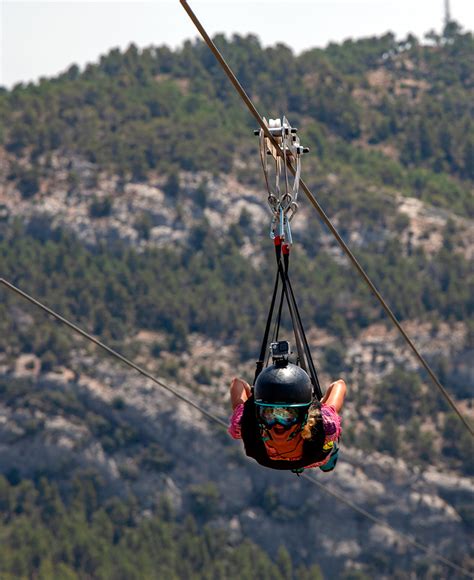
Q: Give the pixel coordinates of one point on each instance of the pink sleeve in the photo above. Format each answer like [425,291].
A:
[234,427]
[331,422]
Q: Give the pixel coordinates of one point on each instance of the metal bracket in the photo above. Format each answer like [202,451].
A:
[282,200]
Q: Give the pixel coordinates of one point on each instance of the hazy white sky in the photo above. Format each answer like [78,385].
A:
[44,38]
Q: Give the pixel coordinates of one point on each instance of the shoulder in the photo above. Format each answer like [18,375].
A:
[331,422]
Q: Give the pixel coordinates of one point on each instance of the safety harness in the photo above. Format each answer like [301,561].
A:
[304,358]
[313,450]
[283,206]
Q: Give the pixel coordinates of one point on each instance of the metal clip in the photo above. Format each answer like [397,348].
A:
[282,197]
[282,224]
[273,226]
[288,236]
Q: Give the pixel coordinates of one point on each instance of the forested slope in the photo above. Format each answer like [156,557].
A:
[396,112]
[47,536]
[131,201]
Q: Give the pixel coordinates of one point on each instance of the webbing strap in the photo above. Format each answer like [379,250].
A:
[263,348]
[309,359]
[304,355]
[294,320]
[280,308]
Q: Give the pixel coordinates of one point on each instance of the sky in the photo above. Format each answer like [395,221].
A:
[42,39]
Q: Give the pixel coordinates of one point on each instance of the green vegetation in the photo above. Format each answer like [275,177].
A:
[46,535]
[115,291]
[385,112]
[100,207]
[111,425]
[411,420]
[380,116]
[74,522]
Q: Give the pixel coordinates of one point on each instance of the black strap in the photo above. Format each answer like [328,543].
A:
[309,359]
[304,355]
[276,325]
[263,348]
[294,320]
[280,308]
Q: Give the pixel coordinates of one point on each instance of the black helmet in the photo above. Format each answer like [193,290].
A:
[283,384]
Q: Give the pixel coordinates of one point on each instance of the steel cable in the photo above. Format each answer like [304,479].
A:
[408,539]
[223,423]
[251,107]
[110,350]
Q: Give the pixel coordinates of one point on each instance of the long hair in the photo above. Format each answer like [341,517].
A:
[314,422]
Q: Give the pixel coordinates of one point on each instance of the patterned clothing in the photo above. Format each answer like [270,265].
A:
[331,425]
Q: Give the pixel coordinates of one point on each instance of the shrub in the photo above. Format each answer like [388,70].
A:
[28,184]
[204,499]
[100,207]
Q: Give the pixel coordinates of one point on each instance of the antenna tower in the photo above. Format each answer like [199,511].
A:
[447,12]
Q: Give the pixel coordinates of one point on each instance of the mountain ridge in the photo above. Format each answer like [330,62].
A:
[132,202]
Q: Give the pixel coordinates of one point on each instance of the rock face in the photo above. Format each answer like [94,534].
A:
[173,451]
[98,415]
[101,207]
[104,208]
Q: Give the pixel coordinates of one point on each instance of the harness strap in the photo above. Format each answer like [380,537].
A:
[304,355]
[291,308]
[309,359]
[263,347]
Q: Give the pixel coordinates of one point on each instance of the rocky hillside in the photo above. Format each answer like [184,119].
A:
[144,442]
[92,413]
[148,226]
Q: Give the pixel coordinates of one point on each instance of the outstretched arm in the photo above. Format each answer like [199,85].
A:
[335,394]
[239,392]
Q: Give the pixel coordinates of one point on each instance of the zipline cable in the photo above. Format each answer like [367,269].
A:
[222,423]
[251,107]
[408,539]
[111,351]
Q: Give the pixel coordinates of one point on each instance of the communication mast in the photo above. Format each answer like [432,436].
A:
[447,12]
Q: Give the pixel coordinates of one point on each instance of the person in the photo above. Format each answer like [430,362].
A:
[280,422]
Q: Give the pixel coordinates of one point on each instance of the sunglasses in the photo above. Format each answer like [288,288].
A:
[285,416]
